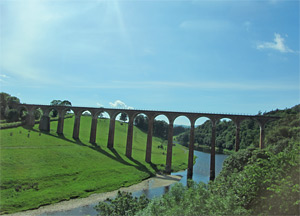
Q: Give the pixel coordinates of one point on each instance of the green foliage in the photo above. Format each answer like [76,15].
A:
[193,200]
[11,101]
[141,122]
[58,103]
[37,114]
[265,183]
[249,131]
[252,182]
[225,134]
[123,204]
[268,183]
[12,115]
[123,117]
[7,110]
[3,104]
[160,128]
[178,130]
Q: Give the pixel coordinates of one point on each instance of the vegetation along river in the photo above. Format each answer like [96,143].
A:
[200,173]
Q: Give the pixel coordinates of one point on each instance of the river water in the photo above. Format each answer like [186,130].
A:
[200,174]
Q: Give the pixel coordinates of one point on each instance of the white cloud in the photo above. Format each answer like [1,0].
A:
[278,45]
[99,104]
[4,76]
[119,104]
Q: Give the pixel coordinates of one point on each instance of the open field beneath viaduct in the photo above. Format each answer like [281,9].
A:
[43,168]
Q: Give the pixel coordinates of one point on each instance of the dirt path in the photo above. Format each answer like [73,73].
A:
[154,182]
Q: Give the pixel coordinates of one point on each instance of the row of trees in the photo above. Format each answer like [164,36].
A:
[160,127]
[225,134]
[54,112]
[9,114]
[225,131]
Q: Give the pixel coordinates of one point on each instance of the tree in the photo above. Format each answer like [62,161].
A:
[65,103]
[6,105]
[12,115]
[37,114]
[178,130]
[55,102]
[123,204]
[3,104]
[12,101]
[160,129]
[123,117]
[23,113]
[141,122]
[59,103]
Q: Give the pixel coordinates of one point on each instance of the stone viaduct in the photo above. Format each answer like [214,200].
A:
[95,112]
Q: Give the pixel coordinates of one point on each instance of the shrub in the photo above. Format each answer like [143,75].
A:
[12,115]
[123,204]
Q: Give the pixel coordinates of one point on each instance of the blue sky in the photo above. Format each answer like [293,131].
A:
[206,56]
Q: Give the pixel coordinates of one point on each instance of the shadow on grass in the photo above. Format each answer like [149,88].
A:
[114,154]
[142,167]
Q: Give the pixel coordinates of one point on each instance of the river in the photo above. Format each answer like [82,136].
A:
[200,174]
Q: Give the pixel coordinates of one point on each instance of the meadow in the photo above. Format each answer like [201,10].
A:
[42,168]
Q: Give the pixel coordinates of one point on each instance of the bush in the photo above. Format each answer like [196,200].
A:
[123,204]
[196,199]
[12,115]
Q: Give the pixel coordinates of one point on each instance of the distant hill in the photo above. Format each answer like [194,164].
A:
[184,126]
[225,131]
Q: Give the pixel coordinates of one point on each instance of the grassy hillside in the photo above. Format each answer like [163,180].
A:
[39,168]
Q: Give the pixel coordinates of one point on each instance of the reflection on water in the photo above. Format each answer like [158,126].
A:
[201,167]
[200,174]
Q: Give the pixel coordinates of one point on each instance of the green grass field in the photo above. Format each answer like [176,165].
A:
[39,168]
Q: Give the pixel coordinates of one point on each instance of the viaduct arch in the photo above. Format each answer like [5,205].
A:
[131,113]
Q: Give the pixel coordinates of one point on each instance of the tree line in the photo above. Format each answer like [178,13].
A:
[225,134]
[9,114]
[160,127]
[225,131]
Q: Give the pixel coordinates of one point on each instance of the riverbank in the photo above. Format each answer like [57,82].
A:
[159,180]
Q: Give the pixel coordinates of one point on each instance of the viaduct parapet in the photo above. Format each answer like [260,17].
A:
[132,113]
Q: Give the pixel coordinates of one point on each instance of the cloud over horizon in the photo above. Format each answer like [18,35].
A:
[120,105]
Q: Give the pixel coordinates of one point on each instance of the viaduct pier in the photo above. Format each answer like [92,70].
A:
[132,113]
